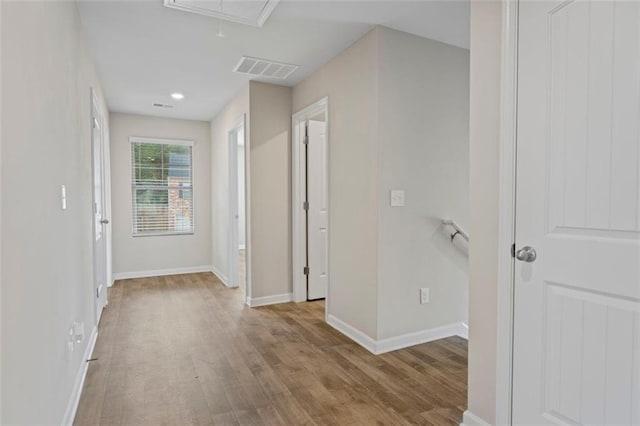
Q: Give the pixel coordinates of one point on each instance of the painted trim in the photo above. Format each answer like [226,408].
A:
[506,220]
[74,399]
[269,300]
[161,272]
[297,224]
[254,22]
[97,123]
[470,419]
[161,141]
[222,277]
[248,254]
[464,330]
[402,341]
[232,203]
[353,333]
[298,234]
[419,337]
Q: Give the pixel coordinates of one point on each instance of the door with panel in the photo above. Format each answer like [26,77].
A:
[99,219]
[317,212]
[577,273]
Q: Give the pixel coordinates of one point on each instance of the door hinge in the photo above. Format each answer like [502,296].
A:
[513,250]
[305,270]
[305,140]
[305,205]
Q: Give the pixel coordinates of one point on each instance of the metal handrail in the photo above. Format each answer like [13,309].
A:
[457,228]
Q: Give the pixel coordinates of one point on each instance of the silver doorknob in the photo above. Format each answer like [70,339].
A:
[526,254]
[104,221]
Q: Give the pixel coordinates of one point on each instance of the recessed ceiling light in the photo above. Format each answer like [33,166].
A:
[177,96]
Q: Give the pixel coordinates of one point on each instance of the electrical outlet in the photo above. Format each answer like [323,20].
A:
[424,296]
[78,331]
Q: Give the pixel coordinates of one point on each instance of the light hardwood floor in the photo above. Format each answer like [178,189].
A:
[184,350]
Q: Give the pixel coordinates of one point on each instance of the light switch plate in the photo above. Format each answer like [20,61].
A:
[397,198]
[63,195]
[424,296]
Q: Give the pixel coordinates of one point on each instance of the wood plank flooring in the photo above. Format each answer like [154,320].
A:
[184,350]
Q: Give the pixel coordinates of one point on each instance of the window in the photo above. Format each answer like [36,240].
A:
[162,186]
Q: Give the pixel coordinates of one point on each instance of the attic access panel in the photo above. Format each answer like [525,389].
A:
[247,12]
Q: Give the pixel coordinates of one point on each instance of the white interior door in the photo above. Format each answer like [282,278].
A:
[233,208]
[317,213]
[577,306]
[99,219]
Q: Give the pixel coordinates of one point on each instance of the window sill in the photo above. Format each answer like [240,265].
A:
[162,234]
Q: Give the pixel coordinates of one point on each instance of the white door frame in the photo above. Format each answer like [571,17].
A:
[506,220]
[97,119]
[298,167]
[239,124]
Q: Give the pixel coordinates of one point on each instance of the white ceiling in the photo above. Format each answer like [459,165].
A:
[144,51]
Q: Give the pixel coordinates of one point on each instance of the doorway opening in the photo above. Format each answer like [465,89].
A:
[310,156]
[238,208]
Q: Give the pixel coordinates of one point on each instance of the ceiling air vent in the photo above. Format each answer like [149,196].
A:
[157,105]
[263,68]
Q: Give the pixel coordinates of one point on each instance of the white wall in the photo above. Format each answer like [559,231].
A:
[139,254]
[267,109]
[350,82]
[220,126]
[46,252]
[423,122]
[486,27]
[270,189]
[398,107]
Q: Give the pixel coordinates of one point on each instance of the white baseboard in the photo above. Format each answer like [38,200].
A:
[353,333]
[72,405]
[378,347]
[419,337]
[464,331]
[470,419]
[222,277]
[254,302]
[160,272]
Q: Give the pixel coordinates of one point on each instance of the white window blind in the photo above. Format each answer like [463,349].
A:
[162,186]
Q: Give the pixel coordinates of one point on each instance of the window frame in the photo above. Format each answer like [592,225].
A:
[132,185]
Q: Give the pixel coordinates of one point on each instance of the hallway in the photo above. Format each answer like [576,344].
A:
[184,349]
